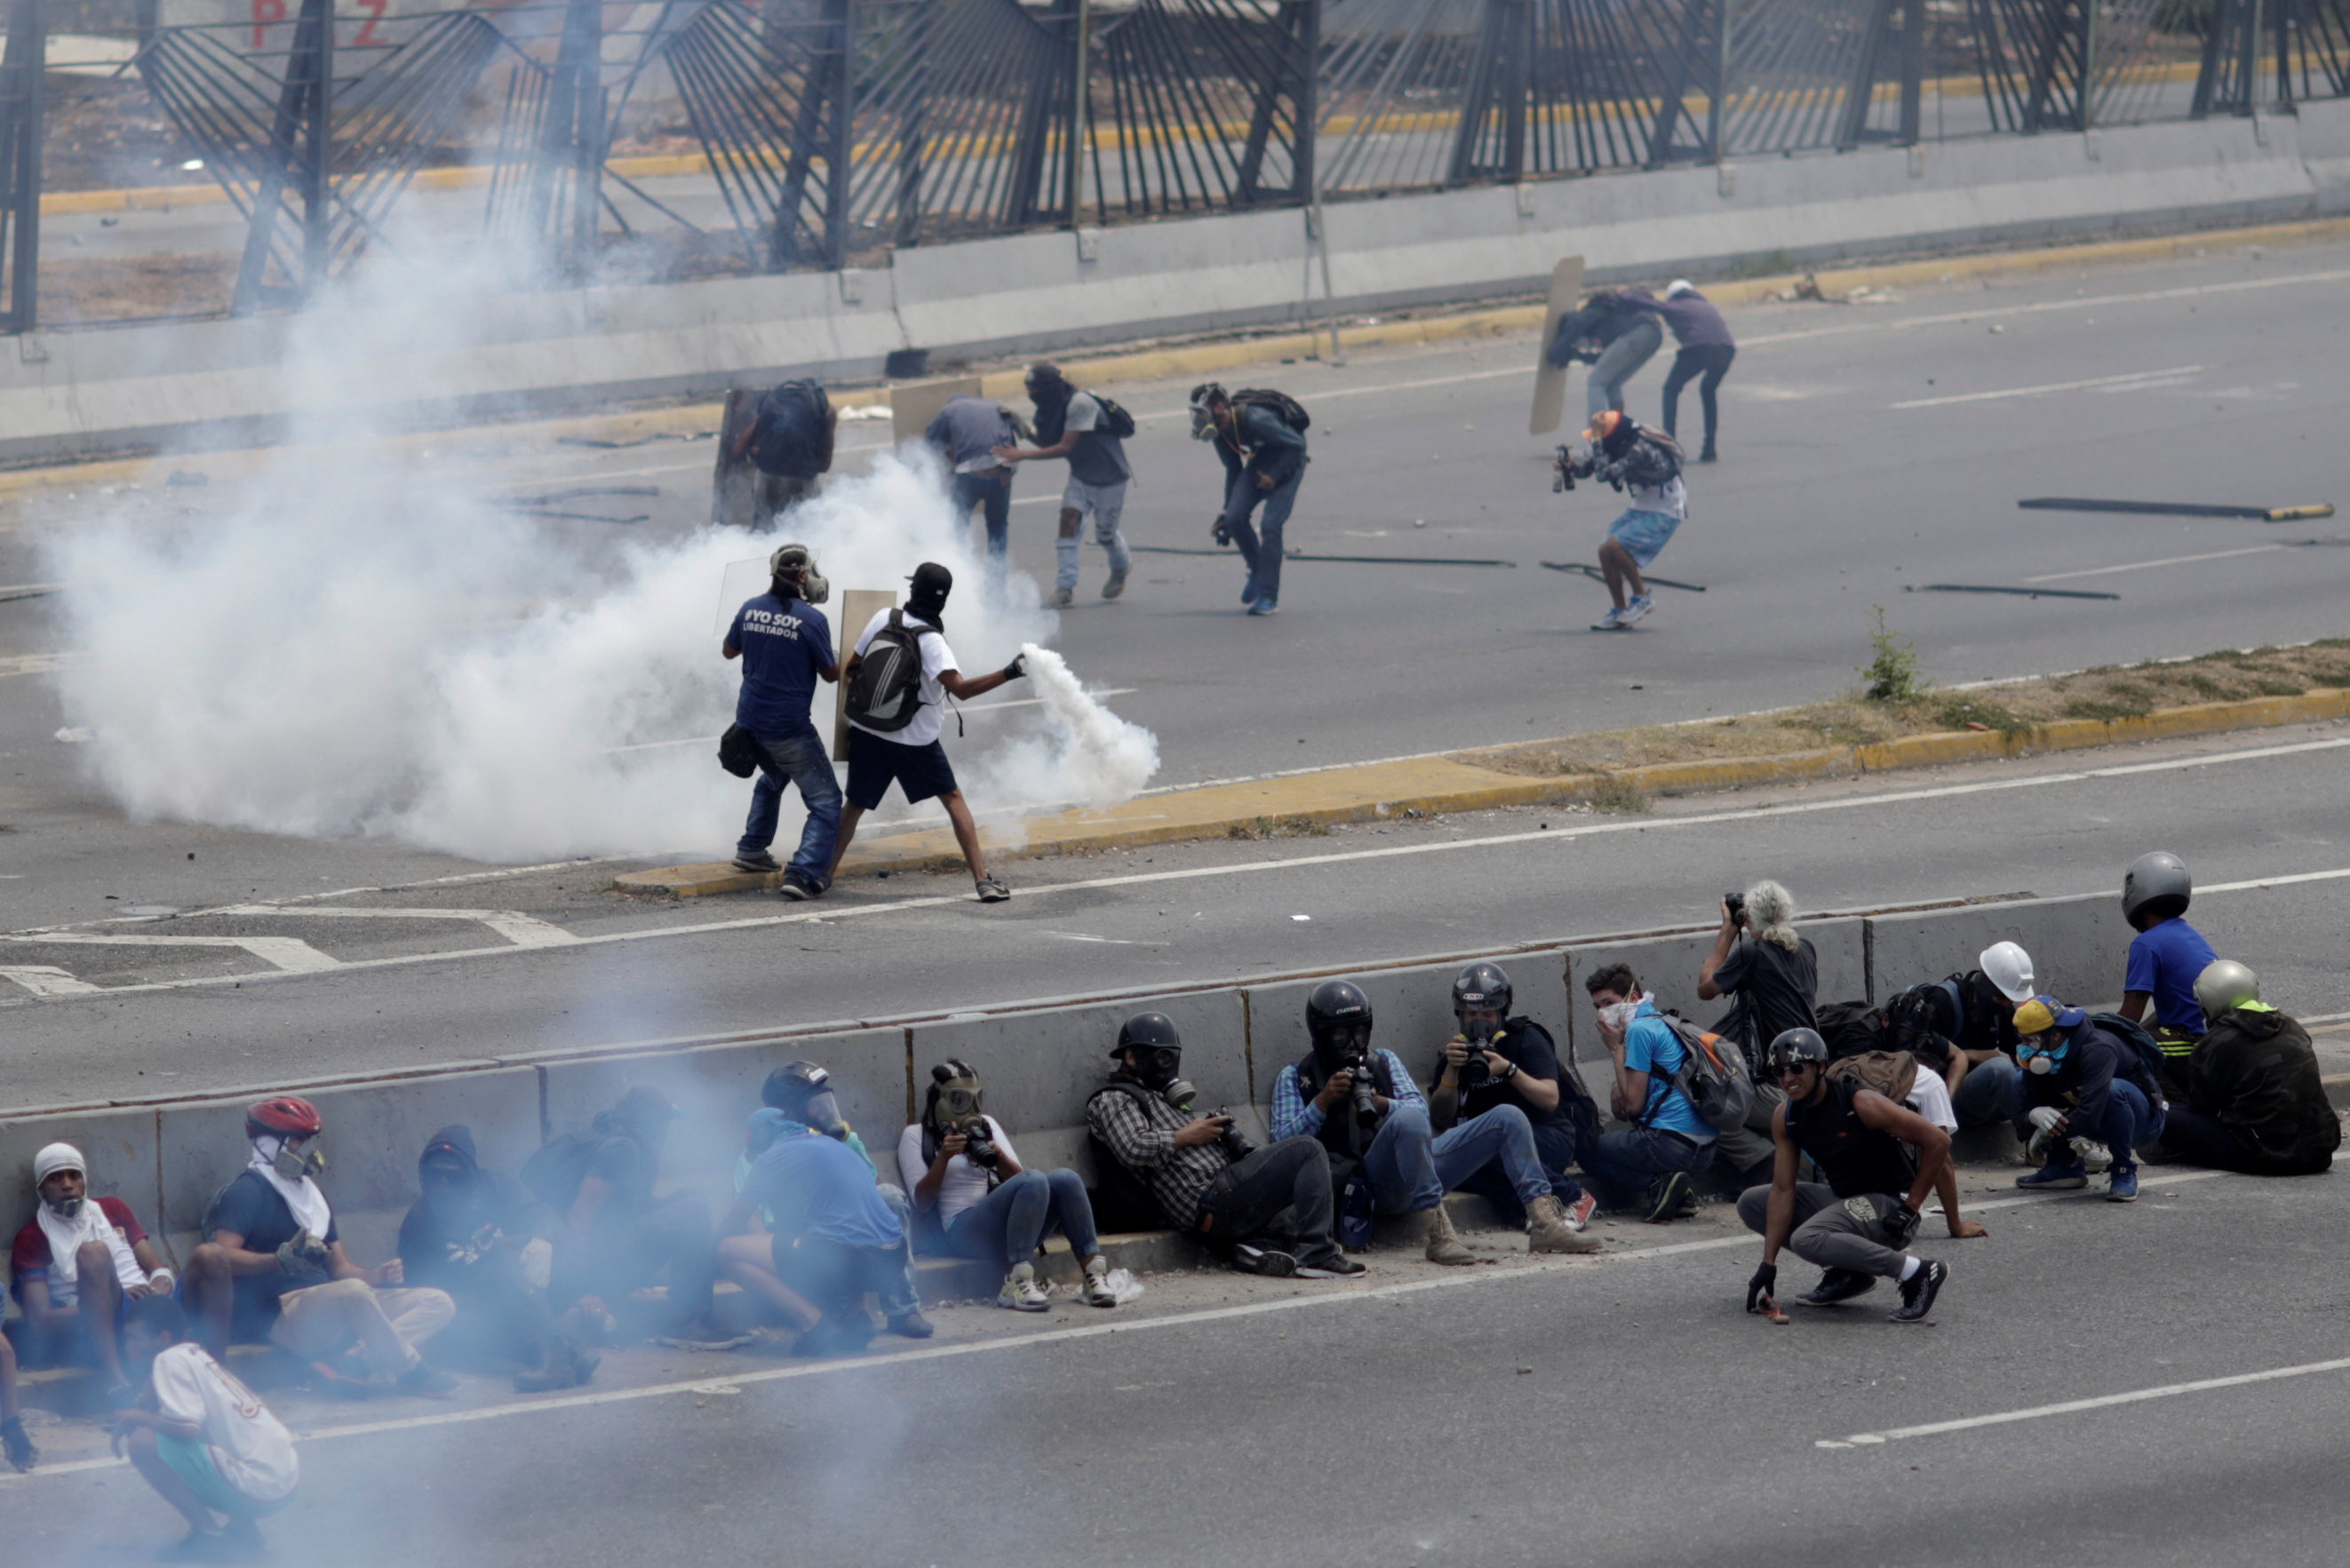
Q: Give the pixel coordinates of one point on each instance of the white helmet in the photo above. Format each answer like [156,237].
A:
[1678,287]
[2008,966]
[2225,983]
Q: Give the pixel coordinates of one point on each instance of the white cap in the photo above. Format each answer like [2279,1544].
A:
[2008,966]
[54,1157]
[1678,287]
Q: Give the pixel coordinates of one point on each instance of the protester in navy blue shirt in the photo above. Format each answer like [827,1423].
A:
[786,644]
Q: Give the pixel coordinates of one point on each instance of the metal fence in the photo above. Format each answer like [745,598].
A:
[830,130]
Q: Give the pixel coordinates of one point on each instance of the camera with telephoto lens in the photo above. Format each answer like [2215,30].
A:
[1236,1144]
[1571,468]
[1736,903]
[1473,1071]
[978,1146]
[1365,1092]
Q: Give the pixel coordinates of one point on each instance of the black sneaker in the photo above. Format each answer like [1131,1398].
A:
[757,862]
[1838,1285]
[1265,1261]
[1918,1291]
[798,889]
[1335,1266]
[910,1325]
[840,1334]
[1665,1198]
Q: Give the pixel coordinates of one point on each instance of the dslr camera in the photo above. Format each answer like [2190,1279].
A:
[1236,1144]
[1472,1071]
[1736,902]
[1570,467]
[978,1147]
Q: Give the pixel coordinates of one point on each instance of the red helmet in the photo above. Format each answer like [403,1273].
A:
[287,1116]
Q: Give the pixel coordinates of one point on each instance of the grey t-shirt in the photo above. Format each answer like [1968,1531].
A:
[1099,457]
[968,431]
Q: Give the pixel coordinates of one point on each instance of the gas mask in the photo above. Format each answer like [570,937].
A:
[822,1113]
[2040,1059]
[1155,1066]
[292,1158]
[957,1099]
[1346,1045]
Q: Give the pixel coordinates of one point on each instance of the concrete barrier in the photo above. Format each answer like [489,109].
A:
[72,393]
[2077,945]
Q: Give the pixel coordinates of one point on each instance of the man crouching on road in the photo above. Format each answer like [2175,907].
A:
[1857,1226]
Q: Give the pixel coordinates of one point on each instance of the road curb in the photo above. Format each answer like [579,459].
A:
[1428,786]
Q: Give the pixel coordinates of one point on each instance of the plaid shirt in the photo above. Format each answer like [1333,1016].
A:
[1141,1133]
[1295,1116]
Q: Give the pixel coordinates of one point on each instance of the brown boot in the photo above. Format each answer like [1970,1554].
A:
[1443,1241]
[1547,1230]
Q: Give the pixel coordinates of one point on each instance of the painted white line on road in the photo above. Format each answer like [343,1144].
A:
[2133,379]
[2148,566]
[523,930]
[1560,835]
[291,955]
[2074,1407]
[46,979]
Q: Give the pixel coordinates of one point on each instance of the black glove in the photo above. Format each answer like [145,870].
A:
[1220,530]
[1901,1227]
[1760,1288]
[1017,669]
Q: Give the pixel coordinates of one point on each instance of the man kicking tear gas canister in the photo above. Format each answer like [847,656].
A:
[1880,1158]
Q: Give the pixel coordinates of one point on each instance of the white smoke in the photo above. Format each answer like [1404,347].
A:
[1084,752]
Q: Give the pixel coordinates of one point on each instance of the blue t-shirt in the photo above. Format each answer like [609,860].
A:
[2164,960]
[1649,1043]
[785,642]
[816,1186]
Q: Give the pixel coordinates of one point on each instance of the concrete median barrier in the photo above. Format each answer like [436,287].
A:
[2077,945]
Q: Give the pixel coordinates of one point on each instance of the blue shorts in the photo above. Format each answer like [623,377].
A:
[1643,534]
[875,763]
[192,1463]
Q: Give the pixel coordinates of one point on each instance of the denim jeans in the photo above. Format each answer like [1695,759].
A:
[1616,363]
[993,492]
[796,759]
[2130,1120]
[1411,1167]
[1624,1163]
[1987,1095]
[1006,1225]
[1554,1147]
[1260,546]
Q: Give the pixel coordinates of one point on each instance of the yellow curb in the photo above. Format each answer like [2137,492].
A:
[1431,786]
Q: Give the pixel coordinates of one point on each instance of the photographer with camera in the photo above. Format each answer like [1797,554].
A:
[1881,1160]
[1647,467]
[1774,975]
[1498,1063]
[1266,1211]
[989,1206]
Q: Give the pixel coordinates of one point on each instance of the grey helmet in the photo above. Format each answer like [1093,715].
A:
[1794,1047]
[2225,983]
[797,563]
[2155,887]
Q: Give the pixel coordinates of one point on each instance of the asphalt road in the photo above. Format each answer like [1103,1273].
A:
[1620,1411]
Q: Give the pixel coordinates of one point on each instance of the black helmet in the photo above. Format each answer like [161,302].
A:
[1794,1047]
[2156,887]
[1152,1036]
[1337,1015]
[1481,985]
[803,1090]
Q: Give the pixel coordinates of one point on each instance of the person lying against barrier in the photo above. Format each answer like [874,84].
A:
[272,1266]
[1880,1158]
[201,1439]
[2081,1084]
[1500,1062]
[962,1168]
[75,1265]
[1646,1167]
[1963,1027]
[1362,1106]
[1264,1211]
[2255,1101]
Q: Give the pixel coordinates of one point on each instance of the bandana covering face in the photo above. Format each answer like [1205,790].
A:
[307,1204]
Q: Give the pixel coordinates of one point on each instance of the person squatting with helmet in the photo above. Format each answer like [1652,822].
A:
[1361,1104]
[1645,466]
[1264,1211]
[786,646]
[1963,1027]
[272,1266]
[2255,1102]
[1880,1160]
[1499,1060]
[74,1265]
[964,1171]
[1078,426]
[2080,1086]
[831,1236]
[1264,454]
[2166,958]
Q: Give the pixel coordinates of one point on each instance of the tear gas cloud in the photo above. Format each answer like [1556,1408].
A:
[369,644]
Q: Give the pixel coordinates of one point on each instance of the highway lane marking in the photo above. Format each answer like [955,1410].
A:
[2073,1406]
[1141,878]
[523,930]
[2135,378]
[2166,561]
[290,955]
[1533,1264]
[46,979]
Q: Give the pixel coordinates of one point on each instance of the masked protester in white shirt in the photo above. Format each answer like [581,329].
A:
[201,1439]
[75,1264]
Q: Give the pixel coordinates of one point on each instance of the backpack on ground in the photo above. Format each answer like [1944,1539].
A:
[886,692]
[1115,420]
[1850,1028]
[792,419]
[1288,408]
[1714,1076]
[2134,1037]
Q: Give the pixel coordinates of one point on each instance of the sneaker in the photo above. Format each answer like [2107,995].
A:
[991,891]
[1638,608]
[840,1334]
[1265,1261]
[910,1324]
[2121,1187]
[1060,598]
[1918,1291]
[793,890]
[1547,1230]
[1612,622]
[1579,1212]
[1335,1266]
[1838,1285]
[2056,1176]
[2093,1156]
[1115,587]
[1095,1290]
[1264,607]
[1665,1198]
[1020,1291]
[757,862]
[428,1380]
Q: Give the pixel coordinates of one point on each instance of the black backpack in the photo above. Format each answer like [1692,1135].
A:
[1654,459]
[792,419]
[1123,1202]
[2134,1037]
[886,692]
[1291,412]
[1850,1028]
[1115,420]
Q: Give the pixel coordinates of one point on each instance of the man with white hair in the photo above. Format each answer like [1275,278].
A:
[1705,352]
[75,1264]
[1776,976]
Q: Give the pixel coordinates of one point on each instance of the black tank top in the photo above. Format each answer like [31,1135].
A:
[1855,1157]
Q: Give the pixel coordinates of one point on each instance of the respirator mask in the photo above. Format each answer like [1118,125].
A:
[1157,1066]
[293,1158]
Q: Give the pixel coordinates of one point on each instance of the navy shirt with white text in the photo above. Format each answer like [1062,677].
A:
[785,643]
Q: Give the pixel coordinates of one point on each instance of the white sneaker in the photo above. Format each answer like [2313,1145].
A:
[1095,1290]
[1020,1291]
[1612,622]
[2093,1154]
[1638,609]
